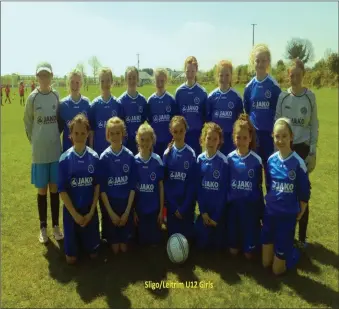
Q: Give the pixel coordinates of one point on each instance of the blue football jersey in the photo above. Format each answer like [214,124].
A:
[212,189]
[117,173]
[180,178]
[287,184]
[149,173]
[68,109]
[135,112]
[260,102]
[224,108]
[78,176]
[100,112]
[192,102]
[160,112]
[245,177]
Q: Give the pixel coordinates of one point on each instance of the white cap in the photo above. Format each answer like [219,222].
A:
[44,66]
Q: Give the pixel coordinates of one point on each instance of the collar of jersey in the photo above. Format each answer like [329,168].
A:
[210,158]
[70,97]
[133,98]
[286,159]
[79,156]
[243,157]
[179,150]
[261,81]
[192,85]
[117,154]
[102,99]
[155,94]
[289,90]
[149,159]
[225,91]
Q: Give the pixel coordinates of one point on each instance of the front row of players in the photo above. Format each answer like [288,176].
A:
[228,191]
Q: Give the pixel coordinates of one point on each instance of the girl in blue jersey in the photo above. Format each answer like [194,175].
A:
[149,197]
[161,109]
[245,194]
[79,190]
[180,181]
[260,100]
[134,107]
[191,101]
[212,190]
[103,108]
[288,192]
[70,106]
[224,104]
[117,172]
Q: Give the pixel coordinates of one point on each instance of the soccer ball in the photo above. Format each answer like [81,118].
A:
[177,248]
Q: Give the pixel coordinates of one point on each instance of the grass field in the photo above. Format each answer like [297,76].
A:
[34,275]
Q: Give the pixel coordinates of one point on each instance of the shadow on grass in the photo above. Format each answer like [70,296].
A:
[110,275]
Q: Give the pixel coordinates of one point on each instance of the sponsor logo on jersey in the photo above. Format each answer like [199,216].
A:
[283,187]
[190,109]
[230,105]
[251,173]
[141,109]
[298,121]
[216,174]
[144,187]
[81,182]
[125,168]
[291,174]
[46,120]
[161,118]
[168,108]
[303,110]
[196,100]
[153,176]
[91,168]
[133,118]
[101,124]
[261,104]
[210,185]
[223,114]
[177,176]
[186,165]
[268,94]
[117,181]
[241,185]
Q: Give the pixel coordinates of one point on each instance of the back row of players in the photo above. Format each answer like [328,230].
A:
[222,107]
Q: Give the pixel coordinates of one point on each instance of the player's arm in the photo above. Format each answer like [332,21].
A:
[278,111]
[132,184]
[314,126]
[161,189]
[239,106]
[209,106]
[60,120]
[29,118]
[204,108]
[303,188]
[91,119]
[168,197]
[247,101]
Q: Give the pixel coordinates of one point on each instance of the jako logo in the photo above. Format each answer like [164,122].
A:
[81,182]
[283,187]
[117,181]
[210,185]
[241,185]
[146,188]
[261,105]
[177,176]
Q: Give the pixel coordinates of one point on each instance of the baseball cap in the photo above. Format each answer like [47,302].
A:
[44,66]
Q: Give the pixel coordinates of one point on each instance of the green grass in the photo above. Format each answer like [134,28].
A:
[34,275]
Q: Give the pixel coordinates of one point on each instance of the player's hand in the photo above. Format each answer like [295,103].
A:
[303,206]
[124,219]
[160,218]
[115,219]
[178,215]
[311,162]
[206,218]
[79,219]
[87,219]
[213,223]
[136,218]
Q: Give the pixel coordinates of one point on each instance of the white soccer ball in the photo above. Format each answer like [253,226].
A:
[177,248]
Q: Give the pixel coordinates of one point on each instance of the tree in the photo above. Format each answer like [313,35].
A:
[333,63]
[148,71]
[95,64]
[300,48]
[320,65]
[81,67]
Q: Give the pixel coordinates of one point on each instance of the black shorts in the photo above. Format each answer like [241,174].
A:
[302,149]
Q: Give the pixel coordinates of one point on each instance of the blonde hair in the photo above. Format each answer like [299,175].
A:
[191,60]
[224,64]
[259,48]
[73,73]
[244,123]
[80,118]
[115,121]
[210,126]
[131,69]
[145,128]
[296,64]
[176,120]
[159,71]
[105,71]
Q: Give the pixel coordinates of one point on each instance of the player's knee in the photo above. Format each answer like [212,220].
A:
[115,248]
[93,256]
[123,247]
[234,251]
[53,188]
[42,191]
[248,255]
[71,260]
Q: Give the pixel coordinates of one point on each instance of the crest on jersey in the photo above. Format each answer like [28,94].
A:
[128,119]
[155,118]
[168,108]
[39,120]
[268,94]
[141,109]
[303,110]
[100,124]
[54,107]
[291,174]
[91,168]
[73,182]
[216,174]
[230,105]
[186,165]
[110,181]
[216,114]
[251,173]
[125,168]
[234,184]
[196,100]
[153,176]
[114,113]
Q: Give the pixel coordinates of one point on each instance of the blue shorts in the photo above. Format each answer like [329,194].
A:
[279,231]
[88,237]
[43,174]
[149,231]
[192,139]
[228,145]
[243,226]
[265,145]
[117,234]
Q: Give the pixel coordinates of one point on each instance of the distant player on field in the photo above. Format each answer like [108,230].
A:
[224,105]
[32,86]
[260,100]
[8,91]
[191,100]
[72,105]
[40,118]
[22,93]
[299,105]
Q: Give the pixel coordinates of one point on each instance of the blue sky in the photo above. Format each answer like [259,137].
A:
[163,33]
